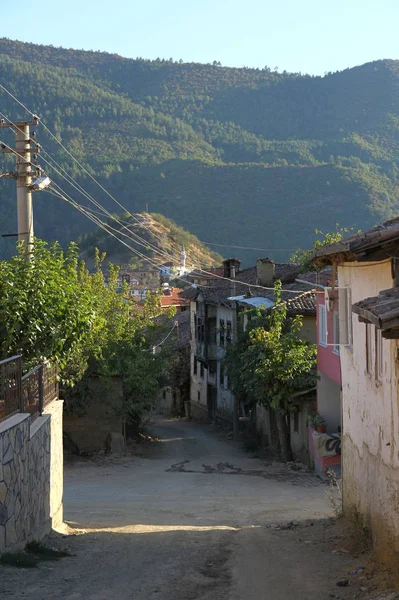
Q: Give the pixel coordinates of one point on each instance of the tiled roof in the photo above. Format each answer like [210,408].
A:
[173,298]
[381,310]
[303,304]
[361,245]
[180,337]
[183,320]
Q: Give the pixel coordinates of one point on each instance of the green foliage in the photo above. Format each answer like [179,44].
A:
[53,308]
[304,257]
[47,308]
[209,145]
[271,362]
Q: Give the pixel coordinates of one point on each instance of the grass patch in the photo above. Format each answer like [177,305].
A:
[19,559]
[43,552]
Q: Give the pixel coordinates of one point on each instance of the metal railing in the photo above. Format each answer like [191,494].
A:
[10,386]
[28,393]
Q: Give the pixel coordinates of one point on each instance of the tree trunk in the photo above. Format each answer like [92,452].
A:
[284,437]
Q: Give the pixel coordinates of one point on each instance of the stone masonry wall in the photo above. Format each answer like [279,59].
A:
[30,467]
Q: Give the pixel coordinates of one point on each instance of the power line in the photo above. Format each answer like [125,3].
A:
[105,227]
[88,196]
[175,325]
[119,204]
[250,248]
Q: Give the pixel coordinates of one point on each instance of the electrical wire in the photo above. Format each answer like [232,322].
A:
[116,201]
[250,248]
[105,227]
[175,326]
[80,189]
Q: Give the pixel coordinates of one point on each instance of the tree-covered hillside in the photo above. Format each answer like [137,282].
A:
[160,241]
[245,157]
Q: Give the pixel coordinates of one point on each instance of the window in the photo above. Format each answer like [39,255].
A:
[336,333]
[228,332]
[369,350]
[202,370]
[334,298]
[200,329]
[195,326]
[195,365]
[379,364]
[222,333]
[199,396]
[221,383]
[322,325]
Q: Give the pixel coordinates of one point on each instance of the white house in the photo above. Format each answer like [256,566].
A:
[368,337]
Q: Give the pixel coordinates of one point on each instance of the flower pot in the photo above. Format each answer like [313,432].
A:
[321,429]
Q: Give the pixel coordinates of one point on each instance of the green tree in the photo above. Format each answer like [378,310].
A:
[270,363]
[53,308]
[304,257]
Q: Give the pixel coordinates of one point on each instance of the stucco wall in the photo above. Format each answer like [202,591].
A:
[370,448]
[225,397]
[263,424]
[299,430]
[31,476]
[308,329]
[198,384]
[329,401]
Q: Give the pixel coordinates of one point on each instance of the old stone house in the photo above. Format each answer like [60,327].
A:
[368,296]
[217,312]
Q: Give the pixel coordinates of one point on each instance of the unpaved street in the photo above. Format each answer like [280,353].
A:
[194,517]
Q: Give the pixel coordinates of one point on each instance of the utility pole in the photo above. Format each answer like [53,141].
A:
[23,176]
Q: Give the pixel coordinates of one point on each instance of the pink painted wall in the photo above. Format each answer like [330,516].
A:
[328,361]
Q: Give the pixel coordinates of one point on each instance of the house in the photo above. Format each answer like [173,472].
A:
[368,296]
[217,311]
[328,403]
[171,298]
[138,283]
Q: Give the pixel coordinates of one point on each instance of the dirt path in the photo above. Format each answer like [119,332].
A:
[195,518]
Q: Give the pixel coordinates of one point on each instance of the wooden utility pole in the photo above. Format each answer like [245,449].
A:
[23,176]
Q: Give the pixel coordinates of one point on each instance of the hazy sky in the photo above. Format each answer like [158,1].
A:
[310,36]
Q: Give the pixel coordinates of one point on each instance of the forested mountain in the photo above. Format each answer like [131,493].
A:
[246,157]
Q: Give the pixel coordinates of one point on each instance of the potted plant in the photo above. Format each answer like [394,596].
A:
[318,423]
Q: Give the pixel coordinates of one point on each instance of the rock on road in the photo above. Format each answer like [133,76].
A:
[193,519]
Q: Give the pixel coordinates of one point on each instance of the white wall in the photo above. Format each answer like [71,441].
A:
[370,418]
[225,398]
[198,384]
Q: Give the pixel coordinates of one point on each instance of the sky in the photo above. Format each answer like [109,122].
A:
[305,36]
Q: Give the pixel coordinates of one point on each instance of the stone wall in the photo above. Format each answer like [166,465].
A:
[31,476]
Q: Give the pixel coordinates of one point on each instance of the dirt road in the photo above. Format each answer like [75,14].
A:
[194,518]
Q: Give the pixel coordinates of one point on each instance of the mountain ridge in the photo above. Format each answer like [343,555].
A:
[247,156]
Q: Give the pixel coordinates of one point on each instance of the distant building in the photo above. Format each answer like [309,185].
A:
[171,298]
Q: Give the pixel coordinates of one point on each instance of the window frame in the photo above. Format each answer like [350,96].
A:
[336,332]
[322,325]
